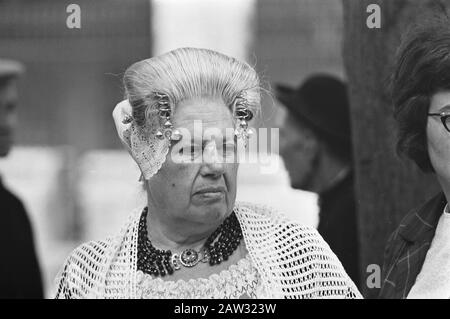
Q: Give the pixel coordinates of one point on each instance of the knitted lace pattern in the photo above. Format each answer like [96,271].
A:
[291,261]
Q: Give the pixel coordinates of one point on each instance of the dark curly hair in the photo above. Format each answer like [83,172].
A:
[422,68]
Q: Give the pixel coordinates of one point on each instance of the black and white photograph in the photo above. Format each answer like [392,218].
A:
[224,149]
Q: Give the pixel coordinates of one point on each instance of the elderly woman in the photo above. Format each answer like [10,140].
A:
[417,260]
[185,113]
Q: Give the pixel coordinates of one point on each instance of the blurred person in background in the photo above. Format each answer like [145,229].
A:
[20,275]
[191,239]
[316,147]
[417,255]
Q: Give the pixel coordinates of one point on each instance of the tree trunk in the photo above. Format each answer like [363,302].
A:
[387,187]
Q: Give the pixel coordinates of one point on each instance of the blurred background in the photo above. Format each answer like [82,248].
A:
[68,165]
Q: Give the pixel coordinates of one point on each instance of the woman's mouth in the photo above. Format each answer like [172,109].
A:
[210,193]
[211,196]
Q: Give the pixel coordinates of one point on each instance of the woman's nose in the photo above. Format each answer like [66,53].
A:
[212,160]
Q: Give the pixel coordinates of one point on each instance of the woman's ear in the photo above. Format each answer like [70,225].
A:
[123,121]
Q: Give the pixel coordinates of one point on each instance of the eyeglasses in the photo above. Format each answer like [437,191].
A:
[445,119]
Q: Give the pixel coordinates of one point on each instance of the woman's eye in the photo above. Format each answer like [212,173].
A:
[229,149]
[191,151]
[187,150]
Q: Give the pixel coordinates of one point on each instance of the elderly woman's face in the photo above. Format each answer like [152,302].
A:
[202,187]
[439,138]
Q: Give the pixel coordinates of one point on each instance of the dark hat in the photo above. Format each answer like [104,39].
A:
[10,68]
[322,102]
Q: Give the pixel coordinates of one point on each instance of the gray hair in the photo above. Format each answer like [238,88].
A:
[188,73]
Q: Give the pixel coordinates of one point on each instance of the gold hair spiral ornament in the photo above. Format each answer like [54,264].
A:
[167,130]
[243,114]
[127,119]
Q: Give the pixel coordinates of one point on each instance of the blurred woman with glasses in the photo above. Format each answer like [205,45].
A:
[417,256]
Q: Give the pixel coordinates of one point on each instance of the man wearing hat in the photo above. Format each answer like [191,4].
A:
[20,275]
[315,144]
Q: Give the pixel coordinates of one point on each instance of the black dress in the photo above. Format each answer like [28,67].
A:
[338,224]
[20,275]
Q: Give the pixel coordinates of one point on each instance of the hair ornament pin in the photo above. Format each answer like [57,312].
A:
[166,130]
[127,119]
[243,115]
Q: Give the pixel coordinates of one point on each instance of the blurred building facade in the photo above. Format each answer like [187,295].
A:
[72,82]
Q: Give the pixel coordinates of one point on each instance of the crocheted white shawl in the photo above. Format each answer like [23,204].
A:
[292,260]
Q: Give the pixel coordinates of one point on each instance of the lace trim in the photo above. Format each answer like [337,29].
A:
[238,281]
[148,151]
[288,260]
